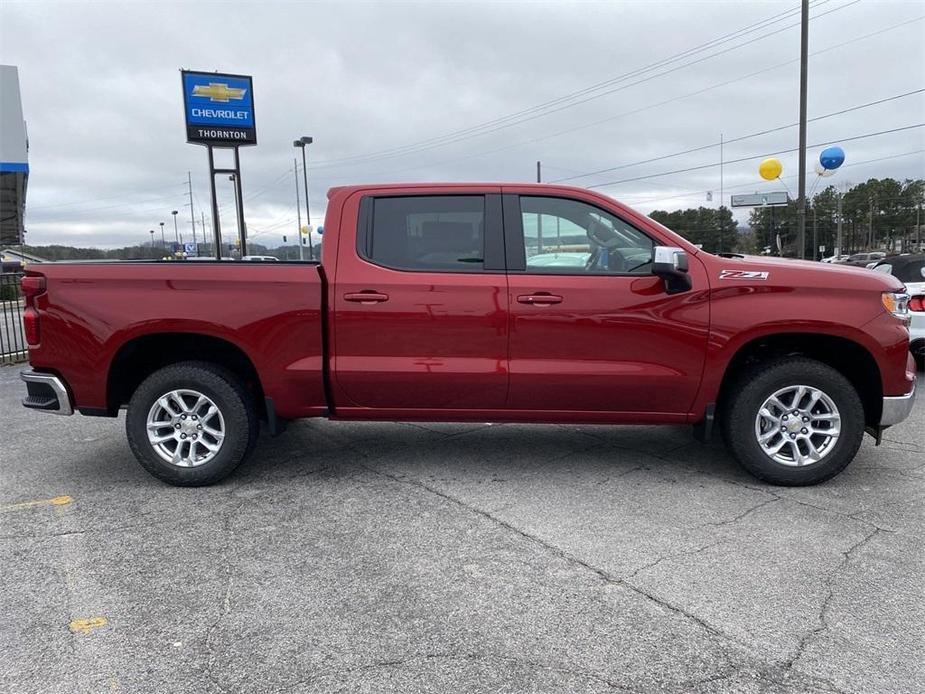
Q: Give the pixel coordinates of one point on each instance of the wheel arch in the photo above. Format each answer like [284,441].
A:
[144,354]
[849,357]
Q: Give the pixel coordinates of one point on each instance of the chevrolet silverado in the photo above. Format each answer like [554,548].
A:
[476,302]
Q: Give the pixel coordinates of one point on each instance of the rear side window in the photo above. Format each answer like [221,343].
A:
[911,272]
[440,233]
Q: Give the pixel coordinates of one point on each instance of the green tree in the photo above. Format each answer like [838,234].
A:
[715,230]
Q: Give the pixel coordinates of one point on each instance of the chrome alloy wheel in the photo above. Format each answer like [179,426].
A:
[797,425]
[185,428]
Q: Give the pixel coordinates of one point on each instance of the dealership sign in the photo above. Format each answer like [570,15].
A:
[219,109]
[772,199]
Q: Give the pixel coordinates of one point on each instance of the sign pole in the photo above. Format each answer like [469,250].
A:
[242,229]
[216,223]
[219,113]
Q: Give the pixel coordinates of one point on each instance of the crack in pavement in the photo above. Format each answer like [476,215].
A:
[675,555]
[570,558]
[822,617]
[225,607]
[748,512]
[787,667]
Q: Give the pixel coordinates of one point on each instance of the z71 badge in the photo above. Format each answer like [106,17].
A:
[743,275]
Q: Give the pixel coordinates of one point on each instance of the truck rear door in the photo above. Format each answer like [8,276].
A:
[420,301]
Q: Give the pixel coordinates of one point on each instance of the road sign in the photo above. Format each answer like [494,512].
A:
[772,199]
[191,249]
[219,109]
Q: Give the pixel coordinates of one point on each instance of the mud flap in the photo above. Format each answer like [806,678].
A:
[703,430]
[876,432]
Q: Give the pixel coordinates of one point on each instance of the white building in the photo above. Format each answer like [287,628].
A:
[14,158]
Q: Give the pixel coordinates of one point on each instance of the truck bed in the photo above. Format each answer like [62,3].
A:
[93,316]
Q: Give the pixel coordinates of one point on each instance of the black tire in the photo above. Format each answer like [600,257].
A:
[749,392]
[228,395]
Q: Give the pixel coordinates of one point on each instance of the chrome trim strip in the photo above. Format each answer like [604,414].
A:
[64,400]
[896,409]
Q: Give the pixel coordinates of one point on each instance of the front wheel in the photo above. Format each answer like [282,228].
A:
[793,421]
[191,424]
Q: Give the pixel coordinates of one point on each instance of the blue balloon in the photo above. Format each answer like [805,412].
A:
[832,157]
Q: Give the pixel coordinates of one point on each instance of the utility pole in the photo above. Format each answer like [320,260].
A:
[801,200]
[870,225]
[539,216]
[298,208]
[192,214]
[721,225]
[815,235]
[918,229]
[838,236]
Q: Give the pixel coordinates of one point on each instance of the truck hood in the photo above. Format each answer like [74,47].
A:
[800,273]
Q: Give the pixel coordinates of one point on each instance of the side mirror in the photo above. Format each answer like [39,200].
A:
[670,263]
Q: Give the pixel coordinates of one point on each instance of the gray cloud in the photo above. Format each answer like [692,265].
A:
[101,94]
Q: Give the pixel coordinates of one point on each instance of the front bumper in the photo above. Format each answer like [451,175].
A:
[46,392]
[896,409]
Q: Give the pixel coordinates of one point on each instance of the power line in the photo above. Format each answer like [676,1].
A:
[108,197]
[740,138]
[757,156]
[541,138]
[531,114]
[751,184]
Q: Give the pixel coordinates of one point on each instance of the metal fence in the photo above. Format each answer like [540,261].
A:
[12,338]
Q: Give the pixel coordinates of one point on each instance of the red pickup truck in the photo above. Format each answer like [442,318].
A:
[476,302]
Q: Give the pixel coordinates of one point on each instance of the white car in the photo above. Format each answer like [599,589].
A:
[261,258]
[910,270]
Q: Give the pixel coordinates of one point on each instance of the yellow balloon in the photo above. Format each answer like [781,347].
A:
[770,169]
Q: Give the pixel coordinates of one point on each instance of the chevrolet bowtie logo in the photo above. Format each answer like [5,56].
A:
[218,91]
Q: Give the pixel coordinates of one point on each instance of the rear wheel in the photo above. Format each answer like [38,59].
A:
[191,424]
[793,421]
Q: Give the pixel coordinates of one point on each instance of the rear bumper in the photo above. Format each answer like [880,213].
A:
[46,392]
[896,409]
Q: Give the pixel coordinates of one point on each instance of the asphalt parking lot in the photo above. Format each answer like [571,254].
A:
[455,558]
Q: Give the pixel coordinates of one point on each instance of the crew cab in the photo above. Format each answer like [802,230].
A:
[476,302]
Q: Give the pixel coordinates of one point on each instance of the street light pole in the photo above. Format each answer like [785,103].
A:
[301,143]
[163,238]
[176,234]
[152,242]
[298,209]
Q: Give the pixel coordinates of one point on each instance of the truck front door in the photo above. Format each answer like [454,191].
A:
[420,302]
[591,328]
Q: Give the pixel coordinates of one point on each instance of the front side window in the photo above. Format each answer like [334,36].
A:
[564,236]
[440,233]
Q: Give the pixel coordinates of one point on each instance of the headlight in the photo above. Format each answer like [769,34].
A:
[897,303]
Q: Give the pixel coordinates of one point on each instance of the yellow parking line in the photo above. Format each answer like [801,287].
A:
[55,501]
[85,626]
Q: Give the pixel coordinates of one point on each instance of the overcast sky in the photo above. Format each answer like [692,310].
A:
[416,91]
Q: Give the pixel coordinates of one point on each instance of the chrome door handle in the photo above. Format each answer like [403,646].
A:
[367,298]
[540,299]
